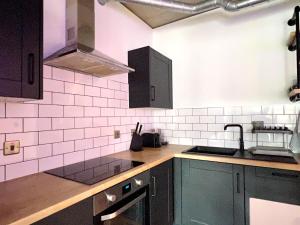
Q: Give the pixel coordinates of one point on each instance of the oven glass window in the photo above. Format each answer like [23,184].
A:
[135,215]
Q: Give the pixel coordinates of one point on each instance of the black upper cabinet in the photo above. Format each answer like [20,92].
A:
[161,194]
[21,44]
[151,83]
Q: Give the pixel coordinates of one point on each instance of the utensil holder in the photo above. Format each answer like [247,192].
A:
[136,144]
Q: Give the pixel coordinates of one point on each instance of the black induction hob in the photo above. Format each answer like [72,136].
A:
[94,170]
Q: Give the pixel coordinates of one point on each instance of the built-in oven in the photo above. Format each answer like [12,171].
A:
[126,203]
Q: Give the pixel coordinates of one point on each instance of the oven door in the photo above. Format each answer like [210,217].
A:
[129,211]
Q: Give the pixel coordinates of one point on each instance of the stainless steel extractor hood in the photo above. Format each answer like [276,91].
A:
[79,54]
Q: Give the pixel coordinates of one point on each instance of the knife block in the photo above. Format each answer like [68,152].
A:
[136,144]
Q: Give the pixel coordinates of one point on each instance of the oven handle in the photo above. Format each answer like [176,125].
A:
[123,209]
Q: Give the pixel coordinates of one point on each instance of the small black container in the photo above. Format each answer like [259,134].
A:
[136,142]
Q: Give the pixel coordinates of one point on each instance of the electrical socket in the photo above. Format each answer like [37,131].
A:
[117,134]
[11,147]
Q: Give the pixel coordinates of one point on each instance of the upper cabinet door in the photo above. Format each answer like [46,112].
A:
[160,81]
[21,32]
[11,48]
[32,61]
[151,83]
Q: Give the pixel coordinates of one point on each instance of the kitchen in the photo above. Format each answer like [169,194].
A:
[223,68]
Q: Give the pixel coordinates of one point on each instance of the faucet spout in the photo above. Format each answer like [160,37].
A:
[242,148]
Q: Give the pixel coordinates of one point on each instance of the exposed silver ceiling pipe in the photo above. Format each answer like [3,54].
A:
[204,6]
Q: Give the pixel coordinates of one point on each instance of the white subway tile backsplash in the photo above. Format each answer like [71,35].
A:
[216,143]
[75,121]
[200,142]
[215,111]
[92,132]
[83,79]
[92,153]
[47,71]
[63,99]
[207,119]
[37,152]
[192,134]
[179,119]
[62,123]
[185,126]
[2,173]
[100,121]
[72,88]
[83,122]
[73,111]
[21,110]
[114,85]
[200,112]
[73,134]
[100,102]
[92,91]
[63,75]
[91,111]
[233,111]
[51,111]
[21,169]
[200,127]
[185,112]
[73,157]
[242,119]
[26,139]
[278,109]
[50,163]
[84,144]
[251,110]
[10,159]
[283,119]
[37,124]
[83,100]
[192,119]
[46,137]
[63,147]
[53,85]
[11,125]
[99,82]
[101,141]
[107,93]
[215,127]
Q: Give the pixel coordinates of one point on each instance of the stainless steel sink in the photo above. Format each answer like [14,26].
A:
[212,150]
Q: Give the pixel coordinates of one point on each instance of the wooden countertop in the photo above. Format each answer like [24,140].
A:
[32,198]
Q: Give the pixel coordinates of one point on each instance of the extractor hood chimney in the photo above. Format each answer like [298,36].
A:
[79,54]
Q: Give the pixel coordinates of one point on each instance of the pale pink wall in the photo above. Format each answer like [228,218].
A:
[76,119]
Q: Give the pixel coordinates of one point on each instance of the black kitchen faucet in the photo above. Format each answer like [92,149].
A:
[241,134]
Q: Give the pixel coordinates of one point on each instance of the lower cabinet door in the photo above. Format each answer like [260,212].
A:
[161,194]
[212,193]
[266,188]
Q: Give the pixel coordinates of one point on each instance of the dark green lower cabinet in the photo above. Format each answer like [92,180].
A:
[211,193]
[271,184]
[161,194]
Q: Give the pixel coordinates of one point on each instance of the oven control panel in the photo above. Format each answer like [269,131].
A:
[120,191]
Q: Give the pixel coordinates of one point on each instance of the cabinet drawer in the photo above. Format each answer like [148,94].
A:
[205,165]
[276,174]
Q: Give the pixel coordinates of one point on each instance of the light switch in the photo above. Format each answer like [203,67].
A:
[117,134]
[11,147]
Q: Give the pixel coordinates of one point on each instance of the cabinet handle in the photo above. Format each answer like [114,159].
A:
[238,189]
[31,68]
[286,175]
[154,186]
[152,93]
